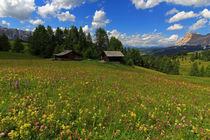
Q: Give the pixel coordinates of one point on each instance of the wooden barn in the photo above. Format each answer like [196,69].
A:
[112,56]
[67,55]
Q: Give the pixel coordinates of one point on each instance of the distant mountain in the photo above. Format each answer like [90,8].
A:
[191,43]
[12,34]
[194,39]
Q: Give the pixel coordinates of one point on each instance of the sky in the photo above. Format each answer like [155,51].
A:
[137,23]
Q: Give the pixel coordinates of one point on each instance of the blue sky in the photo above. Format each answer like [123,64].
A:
[138,23]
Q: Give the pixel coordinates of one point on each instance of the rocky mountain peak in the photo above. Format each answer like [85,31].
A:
[12,34]
[194,39]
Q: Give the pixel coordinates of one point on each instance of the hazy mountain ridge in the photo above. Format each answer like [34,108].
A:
[12,34]
[194,39]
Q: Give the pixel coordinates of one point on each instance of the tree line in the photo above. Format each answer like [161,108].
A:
[6,46]
[44,42]
[195,71]
[204,55]
[163,64]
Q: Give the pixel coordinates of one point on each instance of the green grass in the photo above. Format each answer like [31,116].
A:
[9,55]
[186,64]
[44,99]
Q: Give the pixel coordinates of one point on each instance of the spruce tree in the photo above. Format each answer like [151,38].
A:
[207,71]
[18,46]
[102,40]
[115,44]
[202,71]
[39,42]
[194,70]
[4,43]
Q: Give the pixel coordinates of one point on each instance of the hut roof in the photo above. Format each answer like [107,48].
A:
[113,54]
[65,52]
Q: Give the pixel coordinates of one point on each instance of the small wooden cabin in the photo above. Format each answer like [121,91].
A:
[112,56]
[67,55]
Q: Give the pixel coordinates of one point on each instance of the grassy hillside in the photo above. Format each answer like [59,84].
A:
[87,99]
[10,55]
[186,64]
[25,44]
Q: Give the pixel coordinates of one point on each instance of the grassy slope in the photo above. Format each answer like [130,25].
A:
[100,101]
[9,55]
[187,64]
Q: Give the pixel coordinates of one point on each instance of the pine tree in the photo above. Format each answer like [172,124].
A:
[18,46]
[102,40]
[194,70]
[59,36]
[207,71]
[115,44]
[51,43]
[202,71]
[40,42]
[82,42]
[4,43]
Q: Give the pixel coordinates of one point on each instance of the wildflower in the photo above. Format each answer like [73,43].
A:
[2,134]
[41,127]
[184,105]
[133,114]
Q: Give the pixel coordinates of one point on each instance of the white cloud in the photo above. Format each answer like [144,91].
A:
[19,9]
[199,24]
[5,23]
[175,27]
[37,21]
[86,29]
[172,11]
[54,6]
[145,40]
[46,10]
[205,13]
[27,29]
[181,16]
[143,4]
[66,16]
[99,19]
[171,40]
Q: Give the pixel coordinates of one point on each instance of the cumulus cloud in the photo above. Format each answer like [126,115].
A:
[181,16]
[86,29]
[145,40]
[205,13]
[5,23]
[175,27]
[172,11]
[37,21]
[199,24]
[46,10]
[54,6]
[19,9]
[144,4]
[99,19]
[66,16]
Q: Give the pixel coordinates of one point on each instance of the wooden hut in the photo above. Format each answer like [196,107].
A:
[67,55]
[112,56]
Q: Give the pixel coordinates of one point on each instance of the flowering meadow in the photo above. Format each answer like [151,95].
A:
[44,99]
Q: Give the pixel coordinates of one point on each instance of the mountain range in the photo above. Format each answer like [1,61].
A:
[12,34]
[194,39]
